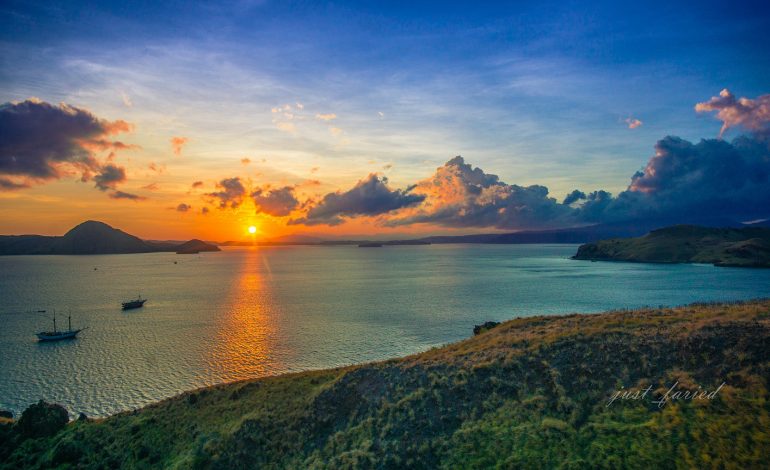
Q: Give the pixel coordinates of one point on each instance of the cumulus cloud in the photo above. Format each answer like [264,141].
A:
[182,207]
[633,123]
[231,192]
[369,197]
[278,202]
[177,144]
[753,115]
[40,141]
[458,195]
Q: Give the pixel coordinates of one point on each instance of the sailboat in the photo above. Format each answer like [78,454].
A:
[56,335]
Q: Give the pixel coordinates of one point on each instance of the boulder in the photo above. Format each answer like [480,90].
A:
[42,419]
[478,329]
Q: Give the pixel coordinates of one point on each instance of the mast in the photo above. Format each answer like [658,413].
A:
[69,321]
[54,321]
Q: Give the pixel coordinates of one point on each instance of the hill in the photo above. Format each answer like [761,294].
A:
[740,247]
[530,393]
[91,238]
[195,246]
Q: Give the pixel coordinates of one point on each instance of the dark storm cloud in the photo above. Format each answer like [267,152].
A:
[369,197]
[231,192]
[574,196]
[683,182]
[278,202]
[40,141]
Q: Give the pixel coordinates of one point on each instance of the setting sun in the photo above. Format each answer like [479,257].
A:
[252,229]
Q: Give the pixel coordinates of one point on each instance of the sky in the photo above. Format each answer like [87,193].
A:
[193,119]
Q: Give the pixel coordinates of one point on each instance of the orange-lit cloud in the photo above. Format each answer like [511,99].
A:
[752,114]
[633,123]
[326,117]
[177,144]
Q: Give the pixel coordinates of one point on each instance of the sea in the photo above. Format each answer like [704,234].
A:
[255,311]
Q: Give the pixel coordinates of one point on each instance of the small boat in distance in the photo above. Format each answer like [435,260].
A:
[56,335]
[136,303]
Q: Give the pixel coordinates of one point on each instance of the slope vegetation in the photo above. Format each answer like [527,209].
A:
[744,247]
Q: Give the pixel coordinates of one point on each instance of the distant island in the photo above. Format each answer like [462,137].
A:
[575,391]
[738,247]
[93,238]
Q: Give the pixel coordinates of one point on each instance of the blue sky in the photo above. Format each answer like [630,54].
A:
[535,92]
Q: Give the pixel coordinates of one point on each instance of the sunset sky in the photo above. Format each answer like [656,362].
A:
[198,120]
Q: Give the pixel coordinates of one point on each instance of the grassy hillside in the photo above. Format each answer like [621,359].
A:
[531,393]
[745,247]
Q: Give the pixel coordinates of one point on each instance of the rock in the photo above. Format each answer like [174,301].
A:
[6,414]
[82,417]
[42,419]
[478,329]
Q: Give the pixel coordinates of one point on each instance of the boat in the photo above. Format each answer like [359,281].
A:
[57,335]
[136,303]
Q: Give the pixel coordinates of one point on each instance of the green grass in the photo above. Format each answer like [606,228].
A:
[746,247]
[530,393]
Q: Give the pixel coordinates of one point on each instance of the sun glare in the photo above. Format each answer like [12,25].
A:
[252,229]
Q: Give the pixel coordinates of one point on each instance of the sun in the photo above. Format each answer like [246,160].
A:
[252,229]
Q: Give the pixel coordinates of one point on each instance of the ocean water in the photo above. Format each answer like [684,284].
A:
[249,312]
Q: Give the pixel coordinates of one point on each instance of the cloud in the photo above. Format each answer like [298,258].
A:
[124,195]
[753,115]
[326,117]
[177,144]
[245,161]
[231,194]
[335,131]
[286,126]
[151,187]
[126,100]
[41,142]
[204,210]
[182,207]
[633,123]
[573,197]
[197,184]
[109,176]
[458,195]
[369,197]
[278,202]
[687,182]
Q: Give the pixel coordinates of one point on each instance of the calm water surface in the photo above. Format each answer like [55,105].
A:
[250,312]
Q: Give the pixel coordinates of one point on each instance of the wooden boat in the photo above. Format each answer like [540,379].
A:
[57,335]
[136,303]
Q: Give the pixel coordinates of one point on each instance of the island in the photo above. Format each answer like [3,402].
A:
[738,247]
[94,238]
[624,389]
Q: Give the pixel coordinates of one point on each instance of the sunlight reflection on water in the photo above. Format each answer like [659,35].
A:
[255,311]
